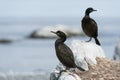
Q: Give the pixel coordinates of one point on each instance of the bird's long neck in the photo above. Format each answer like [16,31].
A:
[60,40]
[87,13]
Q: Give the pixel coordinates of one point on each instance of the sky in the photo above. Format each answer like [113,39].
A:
[57,8]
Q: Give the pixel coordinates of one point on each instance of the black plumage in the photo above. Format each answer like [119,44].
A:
[89,26]
[63,52]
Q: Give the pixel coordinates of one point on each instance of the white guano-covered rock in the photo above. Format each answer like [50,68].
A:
[85,53]
[56,72]
[79,58]
[69,76]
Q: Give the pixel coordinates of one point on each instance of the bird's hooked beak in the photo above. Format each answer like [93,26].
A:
[53,32]
[94,10]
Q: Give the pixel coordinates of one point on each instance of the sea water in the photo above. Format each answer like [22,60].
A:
[26,55]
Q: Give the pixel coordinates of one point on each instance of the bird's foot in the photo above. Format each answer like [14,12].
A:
[89,40]
[72,70]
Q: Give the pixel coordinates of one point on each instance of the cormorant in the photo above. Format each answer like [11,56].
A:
[89,26]
[63,52]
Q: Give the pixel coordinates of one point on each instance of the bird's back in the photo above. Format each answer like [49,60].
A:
[65,55]
[89,26]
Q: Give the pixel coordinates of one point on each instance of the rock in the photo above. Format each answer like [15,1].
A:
[105,69]
[79,58]
[117,52]
[85,53]
[68,75]
[5,41]
[45,32]
[54,75]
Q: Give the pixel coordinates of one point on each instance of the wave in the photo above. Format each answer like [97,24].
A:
[24,76]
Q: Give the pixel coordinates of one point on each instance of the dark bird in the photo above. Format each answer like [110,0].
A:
[63,52]
[89,26]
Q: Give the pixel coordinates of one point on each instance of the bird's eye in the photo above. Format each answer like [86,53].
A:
[91,10]
[58,33]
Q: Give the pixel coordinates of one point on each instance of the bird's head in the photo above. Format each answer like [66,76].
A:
[59,33]
[89,10]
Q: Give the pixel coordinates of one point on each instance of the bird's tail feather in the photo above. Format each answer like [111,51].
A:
[97,41]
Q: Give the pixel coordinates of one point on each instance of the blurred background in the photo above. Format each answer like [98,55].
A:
[20,18]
